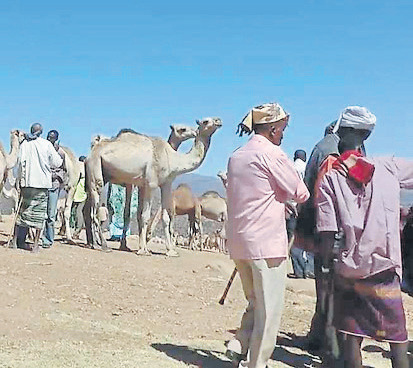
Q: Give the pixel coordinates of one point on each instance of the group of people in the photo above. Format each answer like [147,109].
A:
[41,165]
[42,173]
[344,212]
[348,216]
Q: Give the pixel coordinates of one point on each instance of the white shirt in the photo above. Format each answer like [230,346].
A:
[300,167]
[36,157]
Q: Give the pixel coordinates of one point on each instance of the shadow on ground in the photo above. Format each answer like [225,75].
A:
[191,355]
[215,359]
[296,359]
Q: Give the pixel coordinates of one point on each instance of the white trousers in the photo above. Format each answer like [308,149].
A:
[263,282]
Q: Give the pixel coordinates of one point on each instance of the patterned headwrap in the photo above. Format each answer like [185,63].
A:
[263,114]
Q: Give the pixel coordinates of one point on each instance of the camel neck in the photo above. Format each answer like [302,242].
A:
[11,158]
[174,142]
[183,163]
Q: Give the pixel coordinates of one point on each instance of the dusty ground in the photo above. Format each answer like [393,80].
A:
[74,307]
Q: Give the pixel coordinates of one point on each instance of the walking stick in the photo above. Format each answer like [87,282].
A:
[230,281]
[13,226]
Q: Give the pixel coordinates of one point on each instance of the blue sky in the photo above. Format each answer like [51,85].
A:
[88,67]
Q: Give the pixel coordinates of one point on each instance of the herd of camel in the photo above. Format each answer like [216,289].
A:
[136,160]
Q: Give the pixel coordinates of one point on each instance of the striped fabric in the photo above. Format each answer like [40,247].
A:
[33,208]
[371,307]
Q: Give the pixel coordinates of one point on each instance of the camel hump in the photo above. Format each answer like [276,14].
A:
[183,186]
[211,193]
[69,152]
[126,130]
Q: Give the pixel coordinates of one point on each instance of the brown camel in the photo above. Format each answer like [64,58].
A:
[135,159]
[185,203]
[213,206]
[210,205]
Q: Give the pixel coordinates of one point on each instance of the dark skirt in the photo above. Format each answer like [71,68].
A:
[33,208]
[371,307]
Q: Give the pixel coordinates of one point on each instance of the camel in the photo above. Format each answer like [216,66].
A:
[146,162]
[210,205]
[223,176]
[9,161]
[213,206]
[74,170]
[185,203]
[179,133]
[215,241]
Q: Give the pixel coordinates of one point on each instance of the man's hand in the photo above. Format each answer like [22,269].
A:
[291,208]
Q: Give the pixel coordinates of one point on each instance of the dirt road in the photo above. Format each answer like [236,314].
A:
[69,306]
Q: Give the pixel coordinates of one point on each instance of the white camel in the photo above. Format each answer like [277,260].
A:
[74,170]
[179,134]
[9,161]
[146,162]
[223,176]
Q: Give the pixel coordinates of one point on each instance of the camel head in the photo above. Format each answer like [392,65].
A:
[222,175]
[182,132]
[97,139]
[208,126]
[17,137]
[224,178]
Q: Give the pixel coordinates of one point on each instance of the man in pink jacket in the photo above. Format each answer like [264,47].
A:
[261,179]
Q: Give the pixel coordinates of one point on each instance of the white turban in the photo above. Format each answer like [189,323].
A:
[263,114]
[356,117]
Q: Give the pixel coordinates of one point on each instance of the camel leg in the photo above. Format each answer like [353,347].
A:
[87,215]
[144,216]
[101,237]
[94,183]
[153,222]
[192,233]
[198,221]
[66,214]
[93,231]
[200,235]
[126,218]
[170,239]
[167,220]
